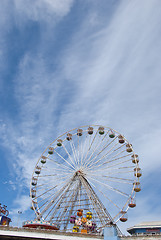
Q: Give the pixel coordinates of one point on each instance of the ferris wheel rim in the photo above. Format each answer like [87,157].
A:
[132,192]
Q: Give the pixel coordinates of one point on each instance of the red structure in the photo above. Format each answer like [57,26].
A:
[40,224]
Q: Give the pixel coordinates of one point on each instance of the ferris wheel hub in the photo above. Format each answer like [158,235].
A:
[80,173]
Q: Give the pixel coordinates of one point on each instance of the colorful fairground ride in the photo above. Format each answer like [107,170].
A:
[85,180]
[4,219]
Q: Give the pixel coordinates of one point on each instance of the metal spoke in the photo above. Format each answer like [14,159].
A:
[98,145]
[73,151]
[104,155]
[68,155]
[111,188]
[56,196]
[65,160]
[105,195]
[78,147]
[115,179]
[45,192]
[90,144]
[83,149]
[65,168]
[103,169]
[113,165]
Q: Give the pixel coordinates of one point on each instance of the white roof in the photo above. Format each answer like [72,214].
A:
[153,224]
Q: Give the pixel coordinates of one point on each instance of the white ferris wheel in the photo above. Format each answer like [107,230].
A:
[87,178]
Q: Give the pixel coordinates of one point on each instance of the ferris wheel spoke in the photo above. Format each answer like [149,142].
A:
[122,145]
[73,200]
[51,181]
[44,188]
[98,145]
[59,180]
[105,195]
[68,155]
[59,200]
[101,211]
[83,148]
[43,199]
[117,154]
[90,144]
[103,155]
[47,184]
[57,194]
[65,160]
[115,159]
[50,211]
[48,199]
[111,160]
[111,188]
[60,165]
[51,169]
[70,206]
[115,179]
[125,167]
[74,151]
[103,163]
[125,179]
[93,160]
[121,172]
[102,171]
[116,164]
[109,180]
[52,175]
[55,172]
[94,202]
[45,192]
[97,167]
[39,187]
[78,147]
[124,172]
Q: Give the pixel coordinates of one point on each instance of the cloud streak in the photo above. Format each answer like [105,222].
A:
[43,10]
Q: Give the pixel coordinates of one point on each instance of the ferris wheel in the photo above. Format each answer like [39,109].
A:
[87,178]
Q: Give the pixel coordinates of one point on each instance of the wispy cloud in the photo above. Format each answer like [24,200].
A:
[43,9]
[19,213]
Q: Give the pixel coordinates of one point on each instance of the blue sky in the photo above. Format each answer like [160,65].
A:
[68,63]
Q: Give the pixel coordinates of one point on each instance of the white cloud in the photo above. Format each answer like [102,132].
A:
[45,10]
[105,70]
[19,212]
[22,204]
[11,183]
[112,68]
